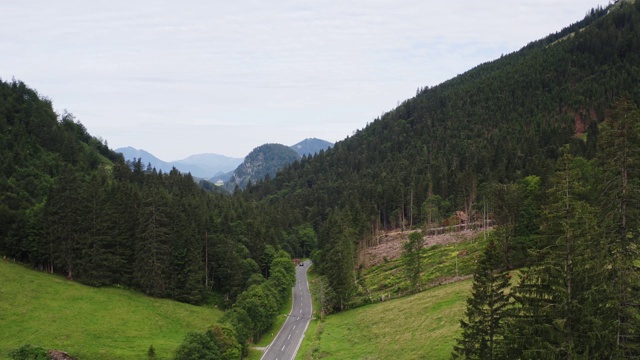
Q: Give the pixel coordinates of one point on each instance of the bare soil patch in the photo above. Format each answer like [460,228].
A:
[391,242]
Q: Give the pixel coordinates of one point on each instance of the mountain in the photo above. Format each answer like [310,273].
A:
[210,164]
[311,146]
[146,157]
[201,165]
[264,160]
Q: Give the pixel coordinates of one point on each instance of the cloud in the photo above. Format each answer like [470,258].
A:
[139,73]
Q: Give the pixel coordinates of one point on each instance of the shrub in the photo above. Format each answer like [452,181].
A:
[28,352]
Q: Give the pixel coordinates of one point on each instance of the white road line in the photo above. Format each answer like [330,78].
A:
[283,346]
[294,327]
[289,337]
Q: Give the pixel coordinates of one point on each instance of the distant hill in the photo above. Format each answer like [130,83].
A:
[131,153]
[311,146]
[201,165]
[263,160]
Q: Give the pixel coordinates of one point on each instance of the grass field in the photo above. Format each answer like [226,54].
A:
[90,323]
[421,326]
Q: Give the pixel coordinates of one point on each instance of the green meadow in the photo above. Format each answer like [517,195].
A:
[421,326]
[90,323]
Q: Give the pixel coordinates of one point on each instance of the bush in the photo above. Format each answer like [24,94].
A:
[28,352]
[217,343]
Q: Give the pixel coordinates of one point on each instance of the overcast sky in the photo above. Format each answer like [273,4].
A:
[178,78]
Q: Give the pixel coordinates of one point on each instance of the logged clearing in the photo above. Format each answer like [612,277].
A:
[90,323]
[421,326]
[390,244]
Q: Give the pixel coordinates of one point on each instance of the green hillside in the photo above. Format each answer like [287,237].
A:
[422,326]
[90,323]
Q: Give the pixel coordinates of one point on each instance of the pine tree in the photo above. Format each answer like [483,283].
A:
[411,257]
[560,298]
[619,157]
[152,257]
[338,260]
[63,212]
[483,329]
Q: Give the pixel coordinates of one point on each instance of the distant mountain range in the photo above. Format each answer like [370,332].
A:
[215,167]
[203,166]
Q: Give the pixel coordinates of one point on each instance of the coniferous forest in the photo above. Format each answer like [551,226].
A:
[546,138]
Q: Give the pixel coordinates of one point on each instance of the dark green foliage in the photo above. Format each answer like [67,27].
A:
[561,311]
[198,346]
[619,157]
[483,329]
[412,260]
[29,352]
[337,257]
[151,353]
[217,343]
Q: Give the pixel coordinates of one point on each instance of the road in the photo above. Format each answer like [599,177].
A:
[286,344]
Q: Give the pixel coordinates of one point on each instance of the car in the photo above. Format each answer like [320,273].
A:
[301,264]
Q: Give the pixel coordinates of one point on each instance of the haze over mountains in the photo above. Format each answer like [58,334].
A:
[213,166]
[200,165]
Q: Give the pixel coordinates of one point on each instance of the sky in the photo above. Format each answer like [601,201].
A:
[178,78]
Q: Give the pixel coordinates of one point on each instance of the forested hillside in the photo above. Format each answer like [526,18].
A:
[486,141]
[264,161]
[499,122]
[70,205]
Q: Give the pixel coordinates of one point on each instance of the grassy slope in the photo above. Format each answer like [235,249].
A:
[91,323]
[440,262]
[422,326]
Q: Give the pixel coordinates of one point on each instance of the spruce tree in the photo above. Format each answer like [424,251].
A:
[619,157]
[559,299]
[483,327]
[412,260]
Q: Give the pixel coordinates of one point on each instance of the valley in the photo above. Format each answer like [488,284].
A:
[107,257]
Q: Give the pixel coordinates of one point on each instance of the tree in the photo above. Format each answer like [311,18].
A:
[484,329]
[63,214]
[560,299]
[619,158]
[198,346]
[338,257]
[325,295]
[412,260]
[152,258]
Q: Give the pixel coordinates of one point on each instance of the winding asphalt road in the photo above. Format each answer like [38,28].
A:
[286,344]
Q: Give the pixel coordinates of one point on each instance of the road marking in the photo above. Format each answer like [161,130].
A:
[294,327]
[289,337]
[283,346]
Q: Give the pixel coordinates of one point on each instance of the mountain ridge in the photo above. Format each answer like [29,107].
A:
[214,167]
[204,166]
